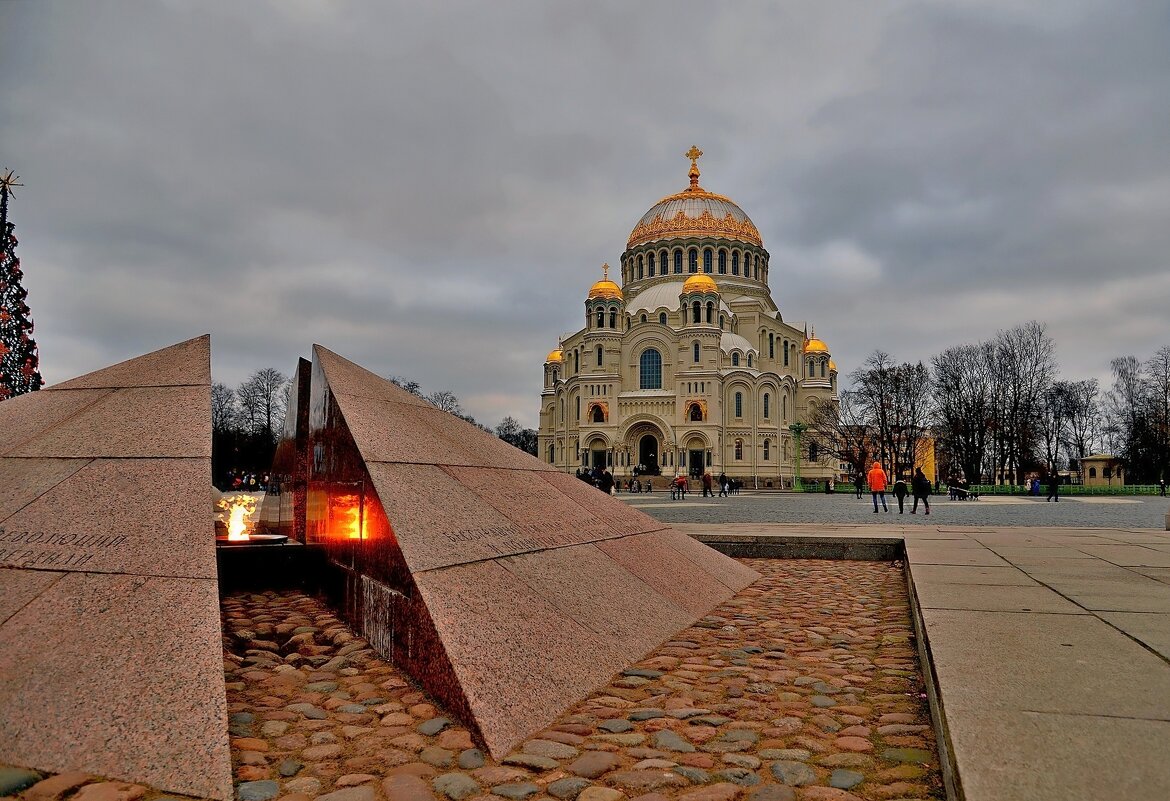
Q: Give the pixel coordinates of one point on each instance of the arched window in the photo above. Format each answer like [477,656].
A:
[555,376]
[739,404]
[822,368]
[650,265]
[692,260]
[578,409]
[600,354]
[723,262]
[601,318]
[735,360]
[735,263]
[576,361]
[551,454]
[696,312]
[662,318]
[678,262]
[739,450]
[696,415]
[784,408]
[813,452]
[756,267]
[786,353]
[640,266]
[613,318]
[561,409]
[810,368]
[650,369]
[749,360]
[1092,472]
[696,351]
[598,414]
[721,321]
[771,346]
[707,260]
[767,450]
[710,312]
[643,318]
[767,405]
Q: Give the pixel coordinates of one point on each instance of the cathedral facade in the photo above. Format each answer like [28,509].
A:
[688,366]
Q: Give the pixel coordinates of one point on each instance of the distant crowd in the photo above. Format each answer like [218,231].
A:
[240,481]
[679,486]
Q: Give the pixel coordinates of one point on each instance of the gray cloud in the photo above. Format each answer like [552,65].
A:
[430,190]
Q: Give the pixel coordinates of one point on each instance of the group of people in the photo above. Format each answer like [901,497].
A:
[241,481]
[878,482]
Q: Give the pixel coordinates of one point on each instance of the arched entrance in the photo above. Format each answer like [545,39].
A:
[696,457]
[648,454]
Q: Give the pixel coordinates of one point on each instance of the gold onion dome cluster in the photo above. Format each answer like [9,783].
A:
[695,212]
[605,288]
[699,282]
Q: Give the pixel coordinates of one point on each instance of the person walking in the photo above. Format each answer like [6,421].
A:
[723,493]
[900,492]
[1162,487]
[708,485]
[607,483]
[921,487]
[858,484]
[1053,487]
[876,478]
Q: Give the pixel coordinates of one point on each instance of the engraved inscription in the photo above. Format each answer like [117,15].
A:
[53,549]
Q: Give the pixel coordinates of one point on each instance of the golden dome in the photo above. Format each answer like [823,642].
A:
[605,288]
[700,283]
[832,365]
[694,212]
[557,355]
[815,345]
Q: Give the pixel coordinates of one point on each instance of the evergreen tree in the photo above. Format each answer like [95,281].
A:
[19,362]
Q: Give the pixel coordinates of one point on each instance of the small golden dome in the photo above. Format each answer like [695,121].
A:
[605,288]
[557,355]
[832,366]
[700,283]
[815,345]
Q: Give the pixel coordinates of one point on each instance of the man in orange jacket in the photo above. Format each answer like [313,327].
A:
[876,478]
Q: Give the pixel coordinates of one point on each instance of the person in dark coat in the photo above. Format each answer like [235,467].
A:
[708,485]
[921,488]
[605,484]
[900,492]
[1054,487]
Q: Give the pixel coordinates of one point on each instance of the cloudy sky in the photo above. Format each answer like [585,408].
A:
[430,188]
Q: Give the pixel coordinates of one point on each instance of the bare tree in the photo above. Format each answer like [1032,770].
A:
[895,401]
[1084,413]
[510,431]
[842,431]
[262,400]
[445,399]
[1025,365]
[223,408]
[963,406]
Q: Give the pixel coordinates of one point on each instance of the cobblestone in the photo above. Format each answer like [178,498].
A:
[727,710]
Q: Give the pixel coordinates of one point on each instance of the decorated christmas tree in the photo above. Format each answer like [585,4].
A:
[19,362]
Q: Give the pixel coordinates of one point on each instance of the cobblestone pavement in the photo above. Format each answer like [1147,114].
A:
[1141,512]
[804,686]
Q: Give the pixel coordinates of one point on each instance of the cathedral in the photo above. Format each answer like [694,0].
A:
[688,366]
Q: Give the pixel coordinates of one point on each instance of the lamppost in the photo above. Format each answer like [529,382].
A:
[797,430]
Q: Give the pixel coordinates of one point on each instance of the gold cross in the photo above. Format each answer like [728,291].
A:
[694,154]
[605,272]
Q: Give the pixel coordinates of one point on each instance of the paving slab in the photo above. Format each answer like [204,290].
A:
[1013,754]
[1147,627]
[992,598]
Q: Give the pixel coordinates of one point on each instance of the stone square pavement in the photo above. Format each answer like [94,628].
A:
[1048,649]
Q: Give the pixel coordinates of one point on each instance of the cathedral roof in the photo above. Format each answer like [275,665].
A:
[664,295]
[694,212]
[555,356]
[729,342]
[815,345]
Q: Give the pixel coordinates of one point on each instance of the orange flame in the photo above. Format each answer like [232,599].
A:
[348,514]
[239,511]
